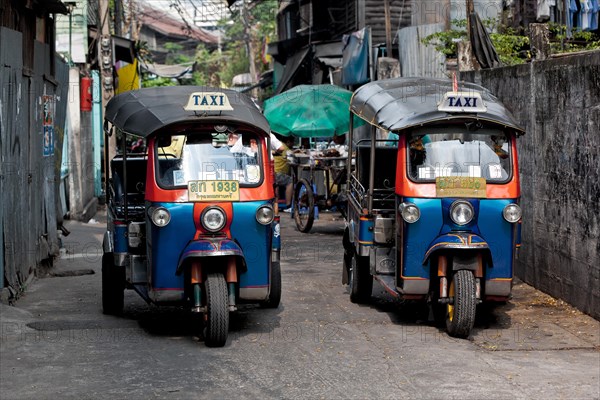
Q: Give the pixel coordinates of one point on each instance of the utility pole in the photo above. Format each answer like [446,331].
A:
[118,17]
[105,62]
[470,8]
[129,29]
[388,29]
[248,40]
[466,57]
[135,32]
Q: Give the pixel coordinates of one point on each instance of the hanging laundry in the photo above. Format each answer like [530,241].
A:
[569,17]
[355,57]
[585,15]
[594,15]
[572,15]
[543,11]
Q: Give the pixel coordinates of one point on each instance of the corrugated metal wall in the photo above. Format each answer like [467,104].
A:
[28,178]
[417,59]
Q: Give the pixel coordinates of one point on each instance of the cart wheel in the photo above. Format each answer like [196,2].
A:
[113,286]
[275,292]
[217,314]
[361,280]
[304,206]
[460,315]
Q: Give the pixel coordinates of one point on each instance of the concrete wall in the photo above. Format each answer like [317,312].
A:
[558,101]
[82,168]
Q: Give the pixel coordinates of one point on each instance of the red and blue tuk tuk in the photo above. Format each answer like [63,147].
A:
[191,221]
[433,203]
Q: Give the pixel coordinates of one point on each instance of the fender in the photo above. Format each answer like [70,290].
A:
[456,240]
[210,248]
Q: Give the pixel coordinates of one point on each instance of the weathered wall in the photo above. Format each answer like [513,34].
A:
[558,101]
[82,200]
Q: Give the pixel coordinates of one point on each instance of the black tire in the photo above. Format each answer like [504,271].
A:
[217,311]
[361,280]
[460,315]
[304,206]
[275,291]
[348,252]
[113,286]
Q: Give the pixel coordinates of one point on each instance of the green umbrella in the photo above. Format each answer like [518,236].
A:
[311,111]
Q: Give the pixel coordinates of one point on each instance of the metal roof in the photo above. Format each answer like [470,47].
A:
[142,112]
[400,103]
[165,24]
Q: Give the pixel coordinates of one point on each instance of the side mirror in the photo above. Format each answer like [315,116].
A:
[164,141]
[107,129]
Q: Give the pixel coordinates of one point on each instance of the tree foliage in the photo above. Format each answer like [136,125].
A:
[217,67]
[512,46]
[560,42]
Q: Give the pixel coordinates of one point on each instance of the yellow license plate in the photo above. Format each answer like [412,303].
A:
[213,191]
[460,186]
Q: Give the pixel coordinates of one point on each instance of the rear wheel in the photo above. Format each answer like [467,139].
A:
[304,206]
[113,286]
[217,313]
[361,281]
[460,312]
[275,291]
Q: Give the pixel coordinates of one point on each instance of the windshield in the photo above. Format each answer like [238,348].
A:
[206,156]
[455,151]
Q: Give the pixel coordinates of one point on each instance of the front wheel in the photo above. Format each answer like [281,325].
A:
[113,286]
[275,290]
[304,206]
[217,313]
[460,312]
[361,280]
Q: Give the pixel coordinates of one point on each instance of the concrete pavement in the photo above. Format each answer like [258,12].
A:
[56,343]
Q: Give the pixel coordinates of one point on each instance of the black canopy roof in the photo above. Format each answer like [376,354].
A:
[142,112]
[400,103]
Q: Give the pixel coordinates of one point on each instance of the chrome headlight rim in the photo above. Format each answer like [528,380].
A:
[512,213]
[160,216]
[461,204]
[208,211]
[410,212]
[267,218]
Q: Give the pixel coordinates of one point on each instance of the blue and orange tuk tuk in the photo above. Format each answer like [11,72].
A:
[191,221]
[433,203]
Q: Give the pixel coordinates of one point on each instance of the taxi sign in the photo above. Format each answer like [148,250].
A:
[214,190]
[208,101]
[462,102]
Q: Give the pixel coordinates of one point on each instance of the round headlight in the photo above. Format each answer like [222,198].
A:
[161,216]
[264,215]
[213,219]
[461,212]
[410,212]
[512,213]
